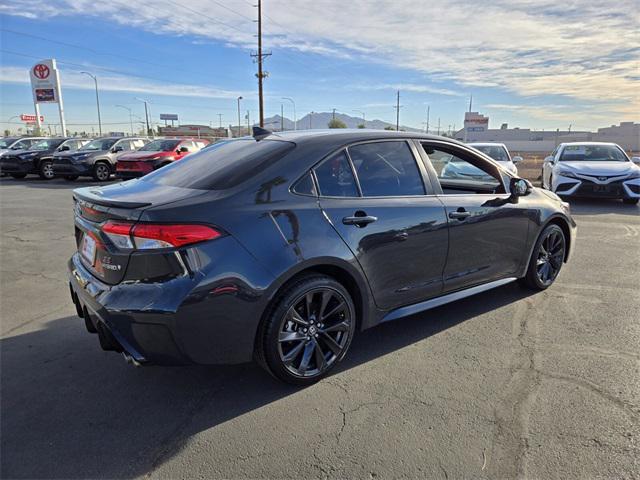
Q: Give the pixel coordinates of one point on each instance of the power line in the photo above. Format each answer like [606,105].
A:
[204,15]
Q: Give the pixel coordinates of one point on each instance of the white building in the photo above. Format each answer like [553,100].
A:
[476,129]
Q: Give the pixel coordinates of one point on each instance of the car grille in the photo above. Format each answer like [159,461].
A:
[591,189]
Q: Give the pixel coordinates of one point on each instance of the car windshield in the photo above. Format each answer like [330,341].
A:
[100,144]
[6,143]
[223,166]
[496,152]
[592,153]
[47,144]
[160,146]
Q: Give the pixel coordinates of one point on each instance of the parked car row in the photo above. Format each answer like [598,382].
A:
[71,158]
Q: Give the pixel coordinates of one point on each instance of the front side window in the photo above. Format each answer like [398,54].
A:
[386,169]
[592,153]
[46,144]
[458,175]
[335,178]
[99,145]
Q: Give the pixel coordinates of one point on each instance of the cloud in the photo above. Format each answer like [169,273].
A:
[121,83]
[586,50]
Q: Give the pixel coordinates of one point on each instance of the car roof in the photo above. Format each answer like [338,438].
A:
[349,135]
[590,143]
[486,144]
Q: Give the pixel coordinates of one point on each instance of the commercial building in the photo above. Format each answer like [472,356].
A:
[476,129]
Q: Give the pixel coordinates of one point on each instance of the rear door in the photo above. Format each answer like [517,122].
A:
[487,230]
[375,196]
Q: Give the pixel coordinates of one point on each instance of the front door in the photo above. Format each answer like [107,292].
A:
[487,230]
[397,233]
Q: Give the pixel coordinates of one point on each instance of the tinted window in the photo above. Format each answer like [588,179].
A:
[592,153]
[496,152]
[224,166]
[335,178]
[100,144]
[305,186]
[160,146]
[386,169]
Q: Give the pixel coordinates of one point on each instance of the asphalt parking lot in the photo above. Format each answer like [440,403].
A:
[504,384]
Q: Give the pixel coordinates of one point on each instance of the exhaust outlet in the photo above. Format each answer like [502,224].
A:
[130,360]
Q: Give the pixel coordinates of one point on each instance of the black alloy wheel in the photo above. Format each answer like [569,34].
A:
[309,331]
[547,258]
[101,172]
[46,170]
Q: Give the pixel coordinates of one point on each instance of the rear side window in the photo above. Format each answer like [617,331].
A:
[335,178]
[224,166]
[386,169]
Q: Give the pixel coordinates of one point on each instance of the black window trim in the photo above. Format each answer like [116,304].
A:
[466,151]
[427,183]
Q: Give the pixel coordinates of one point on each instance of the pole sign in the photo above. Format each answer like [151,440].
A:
[45,86]
[168,116]
[25,117]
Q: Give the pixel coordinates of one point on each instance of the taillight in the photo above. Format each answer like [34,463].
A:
[149,236]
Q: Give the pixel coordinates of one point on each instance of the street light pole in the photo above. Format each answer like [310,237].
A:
[95,80]
[146,112]
[364,122]
[239,121]
[295,117]
[130,117]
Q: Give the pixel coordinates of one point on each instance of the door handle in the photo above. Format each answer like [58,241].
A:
[359,221]
[460,214]
[401,237]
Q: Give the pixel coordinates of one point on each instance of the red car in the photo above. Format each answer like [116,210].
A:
[156,154]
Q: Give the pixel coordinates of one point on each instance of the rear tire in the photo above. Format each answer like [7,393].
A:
[45,170]
[101,172]
[630,201]
[308,330]
[18,176]
[546,259]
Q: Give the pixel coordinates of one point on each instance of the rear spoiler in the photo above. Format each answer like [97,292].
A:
[93,195]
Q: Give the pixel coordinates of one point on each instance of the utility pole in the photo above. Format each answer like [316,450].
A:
[398,111]
[146,113]
[220,120]
[333,117]
[363,119]
[281,117]
[248,122]
[310,116]
[259,58]
[428,112]
[95,80]
[239,121]
[438,125]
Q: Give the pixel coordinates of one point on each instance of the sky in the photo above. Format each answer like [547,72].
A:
[538,64]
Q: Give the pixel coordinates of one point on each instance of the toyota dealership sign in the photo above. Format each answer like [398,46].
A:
[45,86]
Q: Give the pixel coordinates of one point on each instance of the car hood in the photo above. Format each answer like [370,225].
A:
[142,155]
[598,168]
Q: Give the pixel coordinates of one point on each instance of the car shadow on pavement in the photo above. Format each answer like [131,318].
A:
[70,410]
[585,206]
[55,184]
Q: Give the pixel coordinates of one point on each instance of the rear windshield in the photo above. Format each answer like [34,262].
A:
[496,152]
[160,146]
[221,166]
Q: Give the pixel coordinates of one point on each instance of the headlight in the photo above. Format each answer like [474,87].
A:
[567,173]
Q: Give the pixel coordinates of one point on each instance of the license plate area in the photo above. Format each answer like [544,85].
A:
[601,189]
[88,249]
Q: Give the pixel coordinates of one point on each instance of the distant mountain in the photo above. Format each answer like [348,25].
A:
[320,120]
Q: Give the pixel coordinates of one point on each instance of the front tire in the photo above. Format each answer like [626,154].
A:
[630,201]
[46,170]
[547,259]
[308,331]
[101,172]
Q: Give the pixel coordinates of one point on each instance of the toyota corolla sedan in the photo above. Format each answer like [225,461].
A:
[594,170]
[281,247]
[500,153]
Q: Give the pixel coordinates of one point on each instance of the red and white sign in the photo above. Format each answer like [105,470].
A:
[25,117]
[41,71]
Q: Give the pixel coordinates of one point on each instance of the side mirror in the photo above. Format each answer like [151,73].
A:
[636,160]
[519,187]
[64,148]
[517,159]
[183,150]
[549,159]
[117,149]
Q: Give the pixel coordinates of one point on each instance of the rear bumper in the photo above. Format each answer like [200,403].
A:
[195,319]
